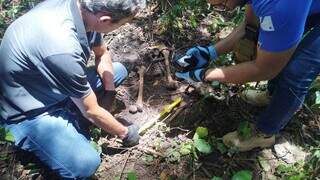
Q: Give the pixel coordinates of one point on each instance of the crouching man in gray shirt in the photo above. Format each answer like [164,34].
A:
[43,57]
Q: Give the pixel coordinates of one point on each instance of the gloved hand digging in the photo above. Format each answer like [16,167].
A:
[196,58]
[106,99]
[192,76]
[132,138]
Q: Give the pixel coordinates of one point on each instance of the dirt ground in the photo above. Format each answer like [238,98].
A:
[153,158]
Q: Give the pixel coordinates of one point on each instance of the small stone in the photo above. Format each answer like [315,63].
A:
[133,109]
[289,152]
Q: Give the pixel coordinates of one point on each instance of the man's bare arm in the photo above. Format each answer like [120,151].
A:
[103,63]
[227,44]
[99,116]
[265,67]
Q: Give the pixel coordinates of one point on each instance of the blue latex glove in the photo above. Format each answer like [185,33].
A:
[192,76]
[196,58]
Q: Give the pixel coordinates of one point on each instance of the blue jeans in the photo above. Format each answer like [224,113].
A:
[58,138]
[290,87]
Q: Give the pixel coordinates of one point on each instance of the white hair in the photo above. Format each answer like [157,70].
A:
[119,9]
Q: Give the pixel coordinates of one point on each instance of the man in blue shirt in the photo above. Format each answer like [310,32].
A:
[43,57]
[283,56]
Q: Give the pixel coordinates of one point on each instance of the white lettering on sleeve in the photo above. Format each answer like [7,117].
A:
[266,23]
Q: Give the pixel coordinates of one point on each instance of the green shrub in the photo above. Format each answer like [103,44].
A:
[11,10]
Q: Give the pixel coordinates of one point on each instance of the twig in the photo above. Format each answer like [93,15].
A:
[169,3]
[206,172]
[212,165]
[170,94]
[187,134]
[301,136]
[175,114]
[115,139]
[109,41]
[148,100]
[117,163]
[194,170]
[149,67]
[315,173]
[179,128]
[125,163]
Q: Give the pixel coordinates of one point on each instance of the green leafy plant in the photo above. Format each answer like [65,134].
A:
[291,172]
[224,59]
[132,175]
[242,175]
[201,132]
[244,130]
[95,133]
[11,10]
[6,135]
[312,166]
[301,170]
[239,17]
[200,140]
[200,144]
[183,14]
[313,97]
[185,148]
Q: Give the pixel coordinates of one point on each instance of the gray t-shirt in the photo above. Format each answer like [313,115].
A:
[43,57]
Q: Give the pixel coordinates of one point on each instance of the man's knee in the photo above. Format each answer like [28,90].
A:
[297,76]
[120,73]
[85,165]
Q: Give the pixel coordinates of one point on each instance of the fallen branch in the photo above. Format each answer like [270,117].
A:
[125,163]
